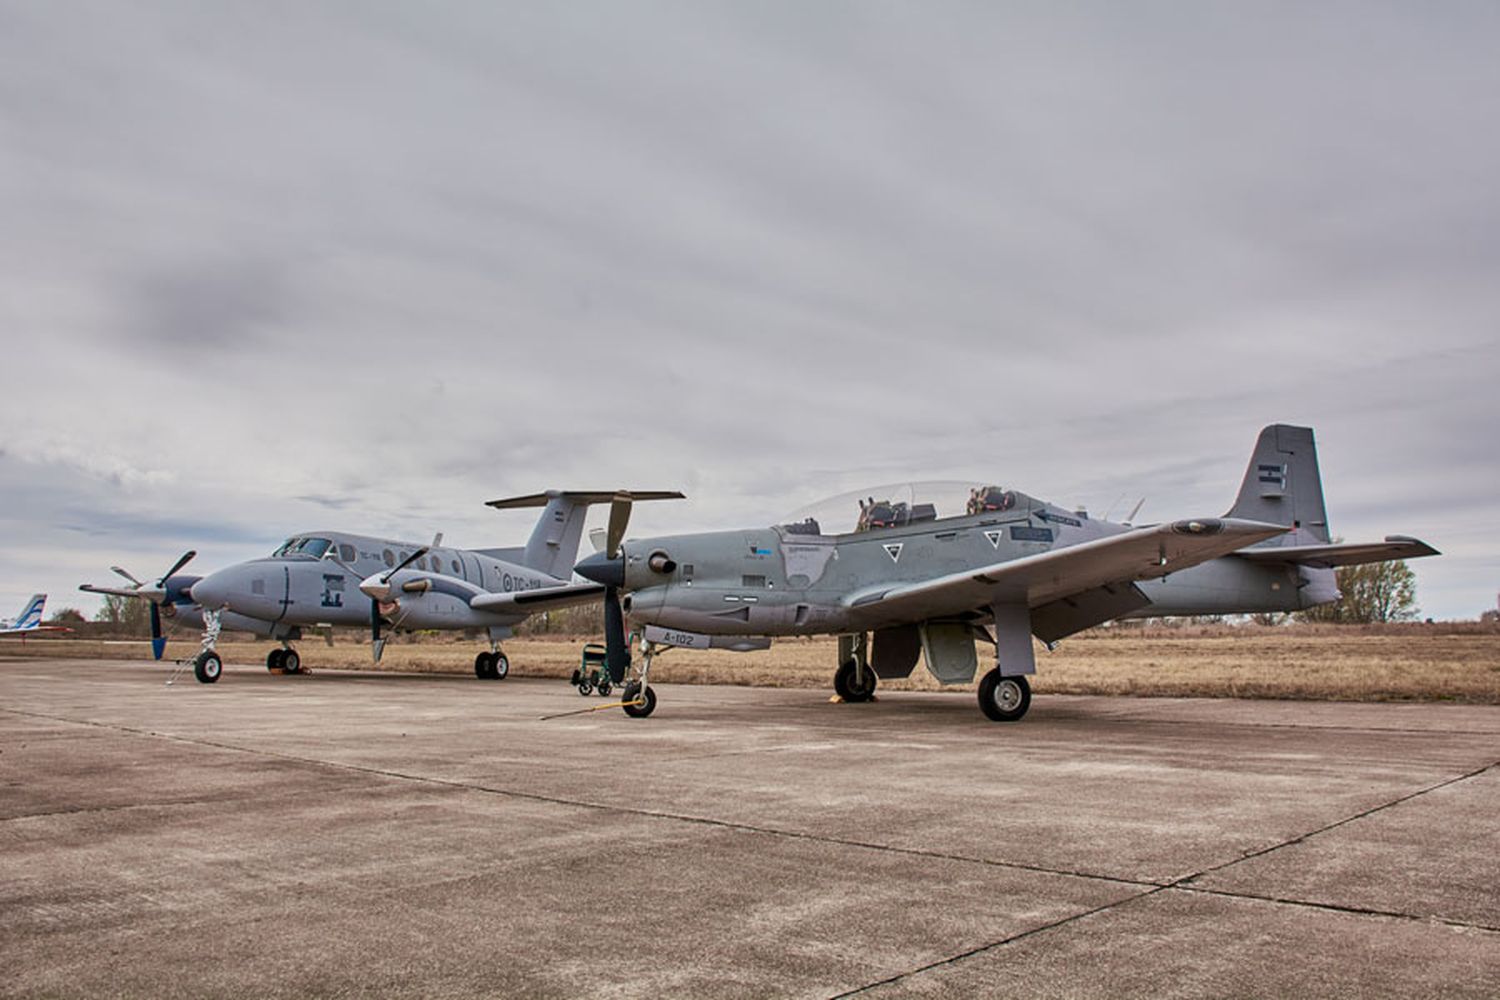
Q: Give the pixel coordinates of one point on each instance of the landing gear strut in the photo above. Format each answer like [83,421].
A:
[855,679]
[491,666]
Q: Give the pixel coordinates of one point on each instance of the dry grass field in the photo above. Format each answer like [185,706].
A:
[1392,663]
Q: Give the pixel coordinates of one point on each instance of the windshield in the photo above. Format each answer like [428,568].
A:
[896,505]
[314,547]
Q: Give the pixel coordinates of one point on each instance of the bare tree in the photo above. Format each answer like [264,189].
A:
[129,615]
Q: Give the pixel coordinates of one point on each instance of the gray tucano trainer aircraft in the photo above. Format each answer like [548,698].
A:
[914,582]
[335,578]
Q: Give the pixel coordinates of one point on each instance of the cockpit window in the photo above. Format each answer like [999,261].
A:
[876,514]
[314,547]
[288,546]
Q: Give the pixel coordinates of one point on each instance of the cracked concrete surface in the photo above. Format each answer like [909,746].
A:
[351,833]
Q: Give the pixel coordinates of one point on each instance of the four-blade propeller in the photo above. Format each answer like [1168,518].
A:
[156,593]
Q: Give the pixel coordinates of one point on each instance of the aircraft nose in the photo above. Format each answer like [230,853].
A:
[600,568]
[212,591]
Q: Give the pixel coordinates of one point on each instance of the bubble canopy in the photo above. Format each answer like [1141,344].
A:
[894,505]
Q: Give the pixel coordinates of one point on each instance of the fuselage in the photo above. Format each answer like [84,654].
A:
[787,580]
[313,579]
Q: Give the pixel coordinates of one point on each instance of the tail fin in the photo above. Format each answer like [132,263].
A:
[31,616]
[553,546]
[1282,485]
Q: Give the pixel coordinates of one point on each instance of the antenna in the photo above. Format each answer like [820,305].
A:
[1130,518]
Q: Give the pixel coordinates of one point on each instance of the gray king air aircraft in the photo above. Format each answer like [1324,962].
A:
[914,582]
[334,578]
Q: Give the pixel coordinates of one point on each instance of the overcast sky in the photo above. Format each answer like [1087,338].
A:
[269,267]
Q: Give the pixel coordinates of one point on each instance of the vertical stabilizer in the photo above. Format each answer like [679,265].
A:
[1282,485]
[553,546]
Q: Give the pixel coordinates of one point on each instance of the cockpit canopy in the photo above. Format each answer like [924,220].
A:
[313,548]
[900,504]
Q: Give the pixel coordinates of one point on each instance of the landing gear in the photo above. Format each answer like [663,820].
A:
[1004,699]
[637,698]
[639,702]
[207,667]
[854,681]
[491,666]
[286,660]
[273,659]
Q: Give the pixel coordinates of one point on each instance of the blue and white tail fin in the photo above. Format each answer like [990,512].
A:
[1282,485]
[31,615]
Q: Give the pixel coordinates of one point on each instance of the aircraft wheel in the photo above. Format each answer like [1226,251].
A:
[851,689]
[207,667]
[483,668]
[291,662]
[631,693]
[1004,699]
[499,667]
[273,659]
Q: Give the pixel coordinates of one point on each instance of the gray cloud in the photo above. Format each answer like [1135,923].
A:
[271,266]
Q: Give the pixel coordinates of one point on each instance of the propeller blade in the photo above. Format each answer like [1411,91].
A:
[619,520]
[158,644]
[386,578]
[186,557]
[126,575]
[616,648]
[377,644]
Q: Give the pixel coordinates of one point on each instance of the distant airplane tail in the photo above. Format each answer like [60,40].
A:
[1282,485]
[31,615]
[553,547]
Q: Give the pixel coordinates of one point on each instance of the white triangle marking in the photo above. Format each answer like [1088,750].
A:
[894,551]
[994,537]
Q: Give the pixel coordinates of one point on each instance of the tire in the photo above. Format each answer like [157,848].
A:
[632,691]
[605,688]
[499,668]
[273,659]
[1004,699]
[207,667]
[585,688]
[483,669]
[848,687]
[291,662]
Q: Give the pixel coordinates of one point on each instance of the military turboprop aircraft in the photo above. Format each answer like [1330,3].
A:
[912,582]
[29,621]
[310,582]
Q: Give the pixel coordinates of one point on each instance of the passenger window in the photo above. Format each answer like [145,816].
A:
[388,557]
[346,553]
[456,570]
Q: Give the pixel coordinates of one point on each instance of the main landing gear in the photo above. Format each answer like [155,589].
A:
[854,681]
[491,666]
[285,660]
[1004,699]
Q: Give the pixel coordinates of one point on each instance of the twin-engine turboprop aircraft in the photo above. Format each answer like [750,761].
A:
[913,582]
[334,578]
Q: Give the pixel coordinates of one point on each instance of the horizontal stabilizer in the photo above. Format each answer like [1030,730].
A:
[581,497]
[1394,547]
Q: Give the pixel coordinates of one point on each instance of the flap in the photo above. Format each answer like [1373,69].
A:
[1394,547]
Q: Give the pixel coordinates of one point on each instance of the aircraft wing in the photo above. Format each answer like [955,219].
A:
[533,601]
[1139,554]
[1394,547]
